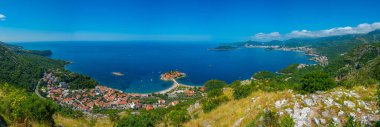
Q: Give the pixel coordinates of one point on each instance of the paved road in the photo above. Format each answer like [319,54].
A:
[36,90]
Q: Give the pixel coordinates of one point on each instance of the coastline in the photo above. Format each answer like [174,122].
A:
[320,59]
[152,91]
[174,86]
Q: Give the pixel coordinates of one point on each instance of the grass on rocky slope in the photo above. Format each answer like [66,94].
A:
[243,111]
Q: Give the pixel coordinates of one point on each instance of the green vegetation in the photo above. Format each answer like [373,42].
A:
[17,106]
[68,112]
[213,88]
[35,52]
[174,115]
[267,118]
[351,122]
[262,75]
[316,81]
[144,119]
[214,85]
[242,91]
[287,121]
[290,69]
[177,117]
[223,48]
[24,70]
[76,81]
[211,103]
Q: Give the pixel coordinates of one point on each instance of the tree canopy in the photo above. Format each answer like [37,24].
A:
[316,81]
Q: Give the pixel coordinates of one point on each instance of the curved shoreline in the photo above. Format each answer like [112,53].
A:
[174,86]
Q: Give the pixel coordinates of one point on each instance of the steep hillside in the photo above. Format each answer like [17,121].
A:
[358,66]
[319,109]
[25,69]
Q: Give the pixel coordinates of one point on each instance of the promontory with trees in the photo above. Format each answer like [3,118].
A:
[342,91]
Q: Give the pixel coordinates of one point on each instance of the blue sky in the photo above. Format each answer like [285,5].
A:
[187,20]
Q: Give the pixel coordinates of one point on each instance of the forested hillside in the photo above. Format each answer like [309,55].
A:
[24,70]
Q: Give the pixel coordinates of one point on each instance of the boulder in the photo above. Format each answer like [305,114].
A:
[349,104]
[335,120]
[280,103]
[340,113]
[325,113]
[316,121]
[309,102]
[329,101]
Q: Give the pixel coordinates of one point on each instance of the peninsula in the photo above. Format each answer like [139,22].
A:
[223,48]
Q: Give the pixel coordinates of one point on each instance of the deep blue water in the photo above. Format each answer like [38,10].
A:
[143,62]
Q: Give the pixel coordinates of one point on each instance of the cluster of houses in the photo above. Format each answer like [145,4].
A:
[102,97]
[172,75]
[322,60]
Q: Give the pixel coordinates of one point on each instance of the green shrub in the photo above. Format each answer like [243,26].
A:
[235,84]
[211,103]
[18,105]
[262,75]
[242,91]
[287,121]
[316,81]
[214,93]
[266,118]
[351,122]
[177,117]
[214,84]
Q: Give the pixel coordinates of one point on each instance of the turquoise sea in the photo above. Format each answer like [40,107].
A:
[143,62]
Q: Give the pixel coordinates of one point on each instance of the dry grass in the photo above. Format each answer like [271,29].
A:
[228,113]
[70,122]
[247,109]
[104,122]
[81,122]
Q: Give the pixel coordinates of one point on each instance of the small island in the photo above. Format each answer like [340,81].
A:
[223,48]
[117,74]
[172,75]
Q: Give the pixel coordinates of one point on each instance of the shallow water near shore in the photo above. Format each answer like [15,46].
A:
[143,62]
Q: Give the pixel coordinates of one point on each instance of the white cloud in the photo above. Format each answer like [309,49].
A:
[2,17]
[359,29]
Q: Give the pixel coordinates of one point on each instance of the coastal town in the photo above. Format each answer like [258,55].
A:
[322,60]
[103,97]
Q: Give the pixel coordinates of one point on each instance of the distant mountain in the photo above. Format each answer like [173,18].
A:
[328,46]
[21,50]
[223,48]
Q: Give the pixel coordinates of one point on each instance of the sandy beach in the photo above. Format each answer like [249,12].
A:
[175,85]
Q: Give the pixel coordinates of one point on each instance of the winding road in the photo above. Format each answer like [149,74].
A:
[36,89]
